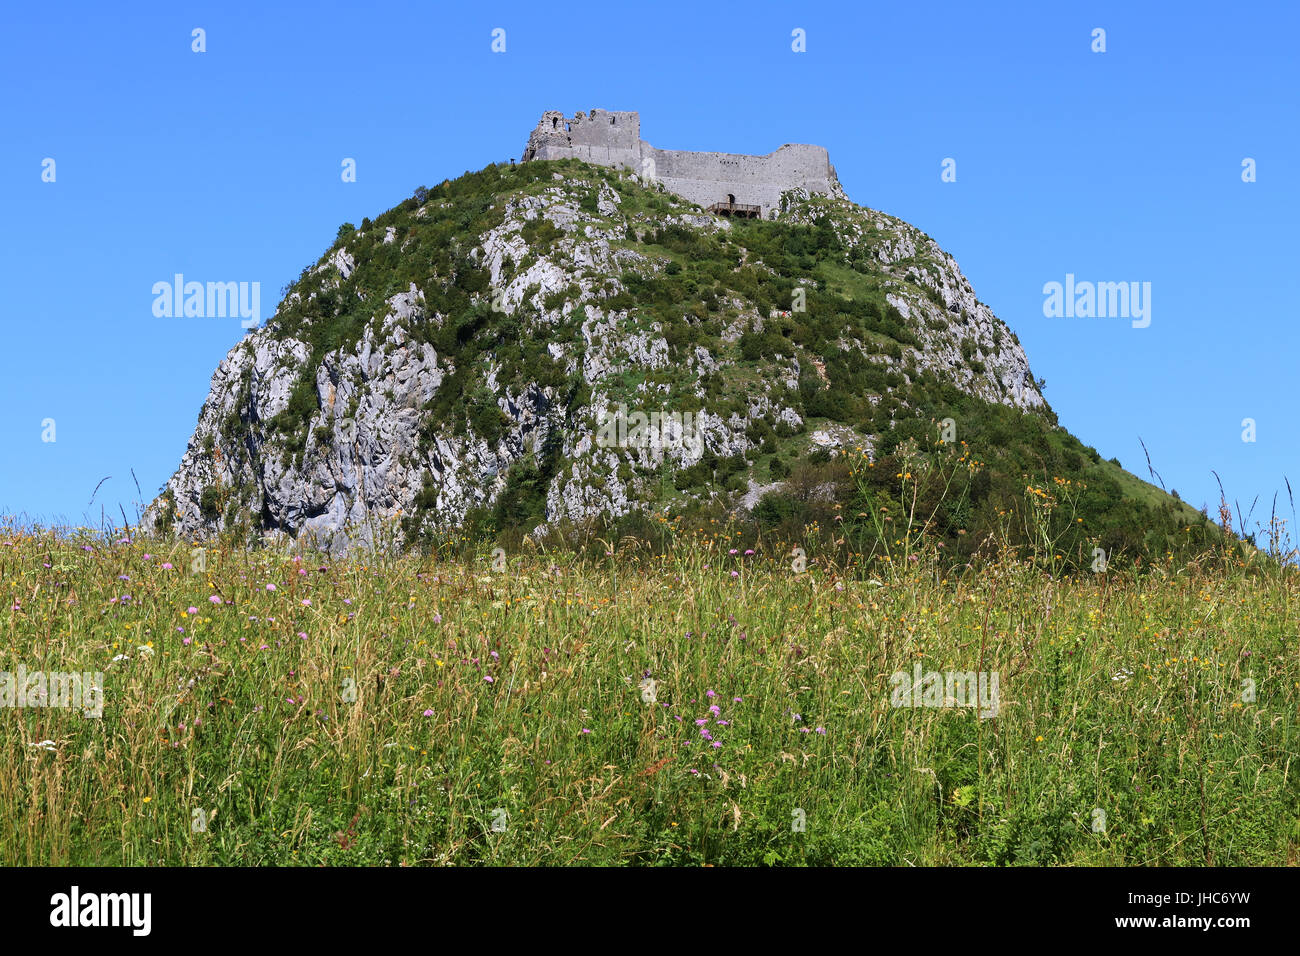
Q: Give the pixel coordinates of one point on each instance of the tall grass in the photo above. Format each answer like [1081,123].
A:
[416,710]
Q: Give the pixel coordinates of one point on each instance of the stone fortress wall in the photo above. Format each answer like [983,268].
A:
[613,138]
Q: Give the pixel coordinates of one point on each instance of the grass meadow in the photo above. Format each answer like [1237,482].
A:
[707,703]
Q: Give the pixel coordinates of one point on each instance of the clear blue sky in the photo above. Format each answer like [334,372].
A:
[225,166]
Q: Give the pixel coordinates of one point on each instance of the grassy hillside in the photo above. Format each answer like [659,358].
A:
[805,299]
[494,709]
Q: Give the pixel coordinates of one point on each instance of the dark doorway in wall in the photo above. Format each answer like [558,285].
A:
[731,199]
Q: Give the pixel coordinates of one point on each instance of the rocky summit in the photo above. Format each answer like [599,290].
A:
[558,342]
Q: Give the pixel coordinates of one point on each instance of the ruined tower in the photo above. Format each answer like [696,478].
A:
[731,183]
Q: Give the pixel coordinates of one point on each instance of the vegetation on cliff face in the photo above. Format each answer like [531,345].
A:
[838,354]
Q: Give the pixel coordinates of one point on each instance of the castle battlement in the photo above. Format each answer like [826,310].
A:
[729,181]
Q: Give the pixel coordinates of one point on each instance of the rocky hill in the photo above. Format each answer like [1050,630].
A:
[465,353]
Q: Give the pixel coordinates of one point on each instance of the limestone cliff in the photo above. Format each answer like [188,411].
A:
[462,351]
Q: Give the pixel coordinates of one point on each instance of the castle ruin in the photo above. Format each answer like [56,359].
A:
[731,184]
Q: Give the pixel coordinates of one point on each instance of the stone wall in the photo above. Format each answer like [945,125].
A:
[706,178]
[604,138]
[614,139]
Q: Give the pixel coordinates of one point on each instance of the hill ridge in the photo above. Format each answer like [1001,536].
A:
[456,356]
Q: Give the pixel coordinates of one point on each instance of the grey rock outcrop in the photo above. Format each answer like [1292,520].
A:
[368,456]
